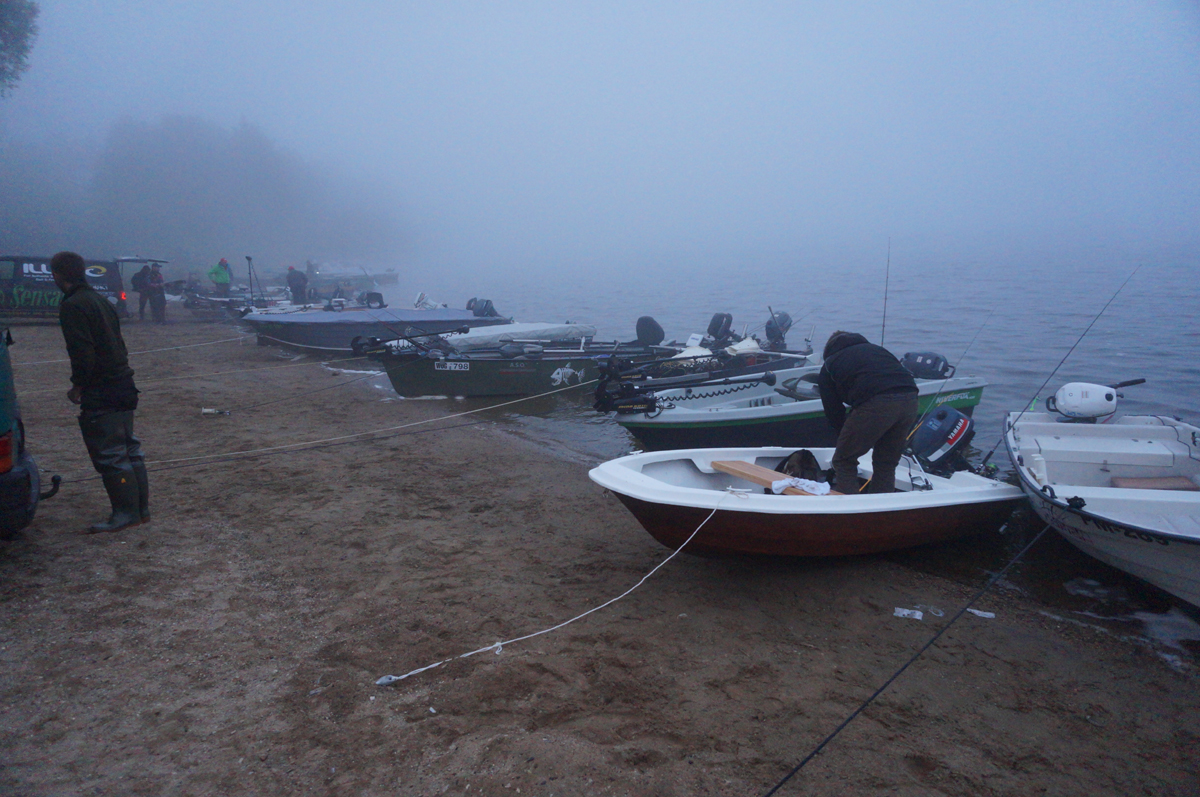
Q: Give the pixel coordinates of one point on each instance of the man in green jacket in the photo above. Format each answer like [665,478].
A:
[221,275]
[102,386]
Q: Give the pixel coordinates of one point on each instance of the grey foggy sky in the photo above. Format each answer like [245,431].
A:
[541,133]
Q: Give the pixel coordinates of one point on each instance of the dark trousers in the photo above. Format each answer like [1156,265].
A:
[158,306]
[222,288]
[110,442]
[880,424]
[142,299]
[298,295]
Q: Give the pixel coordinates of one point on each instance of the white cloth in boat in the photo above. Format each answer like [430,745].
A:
[808,486]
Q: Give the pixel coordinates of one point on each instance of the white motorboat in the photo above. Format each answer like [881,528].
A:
[672,492]
[1125,490]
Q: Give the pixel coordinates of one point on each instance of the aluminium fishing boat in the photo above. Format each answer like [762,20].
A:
[515,360]
[1125,490]
[333,327]
[672,492]
[787,412]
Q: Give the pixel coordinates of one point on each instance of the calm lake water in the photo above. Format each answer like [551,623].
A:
[1011,324]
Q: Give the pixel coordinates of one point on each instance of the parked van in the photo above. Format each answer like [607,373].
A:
[20,484]
[27,289]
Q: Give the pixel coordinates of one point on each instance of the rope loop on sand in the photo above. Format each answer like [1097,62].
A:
[388,680]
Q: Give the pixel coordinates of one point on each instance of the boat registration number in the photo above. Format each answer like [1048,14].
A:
[444,366]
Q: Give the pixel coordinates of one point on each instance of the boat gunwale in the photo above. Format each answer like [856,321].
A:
[1037,495]
[619,478]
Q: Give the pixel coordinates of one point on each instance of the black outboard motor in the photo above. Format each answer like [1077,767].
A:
[482,308]
[927,365]
[941,440]
[372,299]
[776,331]
[720,328]
[649,333]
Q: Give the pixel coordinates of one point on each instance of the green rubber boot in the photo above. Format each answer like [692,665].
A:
[123,494]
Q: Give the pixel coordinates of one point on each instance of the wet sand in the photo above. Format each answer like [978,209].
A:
[231,645]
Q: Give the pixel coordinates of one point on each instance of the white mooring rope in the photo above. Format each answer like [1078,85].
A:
[499,646]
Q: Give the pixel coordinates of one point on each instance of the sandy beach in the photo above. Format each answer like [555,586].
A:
[231,645]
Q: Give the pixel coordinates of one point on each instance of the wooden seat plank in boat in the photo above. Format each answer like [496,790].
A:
[1155,483]
[757,474]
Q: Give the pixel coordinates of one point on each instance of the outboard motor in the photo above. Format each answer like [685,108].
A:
[776,331]
[372,299]
[720,326]
[927,365]
[482,308]
[1083,402]
[649,333]
[941,440]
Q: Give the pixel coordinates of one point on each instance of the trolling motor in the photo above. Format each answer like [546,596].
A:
[1083,402]
[941,441]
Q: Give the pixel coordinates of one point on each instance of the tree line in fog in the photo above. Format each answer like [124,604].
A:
[188,191]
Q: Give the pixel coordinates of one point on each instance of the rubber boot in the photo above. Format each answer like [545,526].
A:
[143,482]
[123,494]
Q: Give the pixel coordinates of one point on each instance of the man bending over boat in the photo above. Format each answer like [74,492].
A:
[883,409]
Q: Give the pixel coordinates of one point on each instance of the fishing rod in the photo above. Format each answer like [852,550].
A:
[632,399]
[1083,334]
[372,345]
[887,277]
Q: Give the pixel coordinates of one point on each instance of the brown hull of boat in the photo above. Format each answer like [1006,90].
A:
[731,532]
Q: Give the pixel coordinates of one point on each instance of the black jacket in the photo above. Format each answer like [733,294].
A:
[99,361]
[297,280]
[854,371]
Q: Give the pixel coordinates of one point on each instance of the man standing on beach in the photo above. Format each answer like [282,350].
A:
[221,275]
[158,294]
[102,386]
[297,282]
[883,409]
[138,281]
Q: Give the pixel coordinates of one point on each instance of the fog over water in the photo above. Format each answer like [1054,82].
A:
[461,139]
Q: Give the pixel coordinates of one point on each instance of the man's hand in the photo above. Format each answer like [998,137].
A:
[75,395]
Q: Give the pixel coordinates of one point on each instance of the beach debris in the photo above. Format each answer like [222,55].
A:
[211,411]
[935,611]
[913,613]
[984,615]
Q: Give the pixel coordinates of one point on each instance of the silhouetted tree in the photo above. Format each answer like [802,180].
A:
[18,28]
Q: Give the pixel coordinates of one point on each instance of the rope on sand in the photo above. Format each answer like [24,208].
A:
[151,351]
[991,582]
[214,373]
[233,456]
[498,647]
[373,431]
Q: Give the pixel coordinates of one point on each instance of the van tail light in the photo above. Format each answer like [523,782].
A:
[7,453]
[123,296]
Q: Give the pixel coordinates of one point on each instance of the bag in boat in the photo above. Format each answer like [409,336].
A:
[803,464]
[927,365]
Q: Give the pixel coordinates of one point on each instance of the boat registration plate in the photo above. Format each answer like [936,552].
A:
[445,366]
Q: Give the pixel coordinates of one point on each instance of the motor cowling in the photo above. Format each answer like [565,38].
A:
[1083,400]
[927,365]
[940,442]
[649,333]
[777,329]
